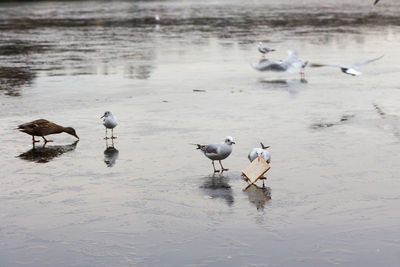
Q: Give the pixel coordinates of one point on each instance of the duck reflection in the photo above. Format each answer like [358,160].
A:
[44,154]
[217,186]
[110,154]
[258,195]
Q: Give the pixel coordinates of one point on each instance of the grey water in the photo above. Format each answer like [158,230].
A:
[150,198]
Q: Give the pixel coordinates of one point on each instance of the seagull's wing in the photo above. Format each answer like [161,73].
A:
[293,64]
[295,67]
[318,65]
[365,62]
[266,65]
[213,148]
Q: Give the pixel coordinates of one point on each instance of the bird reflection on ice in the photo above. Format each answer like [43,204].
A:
[293,86]
[110,154]
[217,186]
[258,195]
[44,154]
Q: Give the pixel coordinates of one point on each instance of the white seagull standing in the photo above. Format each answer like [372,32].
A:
[348,69]
[110,122]
[263,49]
[218,151]
[263,152]
[291,64]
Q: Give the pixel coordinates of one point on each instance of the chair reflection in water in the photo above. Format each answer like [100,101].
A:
[259,196]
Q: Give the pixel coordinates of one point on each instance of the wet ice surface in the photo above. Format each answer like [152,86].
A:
[150,199]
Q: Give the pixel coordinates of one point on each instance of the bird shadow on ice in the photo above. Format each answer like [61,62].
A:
[110,154]
[258,196]
[388,122]
[293,86]
[216,186]
[323,124]
[44,154]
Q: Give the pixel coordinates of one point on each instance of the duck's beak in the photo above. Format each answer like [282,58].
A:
[102,117]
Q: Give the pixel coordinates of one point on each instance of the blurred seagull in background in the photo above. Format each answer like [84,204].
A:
[262,152]
[218,151]
[348,69]
[291,64]
[263,49]
[110,122]
[376,2]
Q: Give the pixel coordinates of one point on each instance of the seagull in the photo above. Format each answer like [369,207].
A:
[263,49]
[263,152]
[44,127]
[291,64]
[376,2]
[110,122]
[348,69]
[218,151]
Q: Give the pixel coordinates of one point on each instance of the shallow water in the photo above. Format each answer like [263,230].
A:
[150,199]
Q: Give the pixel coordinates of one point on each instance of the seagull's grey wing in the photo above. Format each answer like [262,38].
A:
[318,65]
[292,58]
[269,65]
[365,62]
[213,148]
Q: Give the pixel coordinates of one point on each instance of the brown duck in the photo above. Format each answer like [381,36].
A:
[44,127]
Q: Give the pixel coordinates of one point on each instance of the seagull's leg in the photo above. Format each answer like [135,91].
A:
[112,134]
[302,75]
[106,134]
[222,167]
[33,140]
[45,140]
[215,170]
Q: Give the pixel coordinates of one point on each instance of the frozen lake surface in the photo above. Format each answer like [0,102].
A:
[332,195]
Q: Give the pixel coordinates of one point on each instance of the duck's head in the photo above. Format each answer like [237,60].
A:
[71,131]
[229,140]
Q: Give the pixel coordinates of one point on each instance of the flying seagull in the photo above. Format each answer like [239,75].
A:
[291,64]
[348,69]
[217,151]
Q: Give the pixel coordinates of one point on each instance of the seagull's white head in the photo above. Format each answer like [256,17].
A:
[106,114]
[229,140]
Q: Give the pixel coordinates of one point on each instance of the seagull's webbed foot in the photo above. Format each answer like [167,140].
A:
[215,170]
[222,167]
